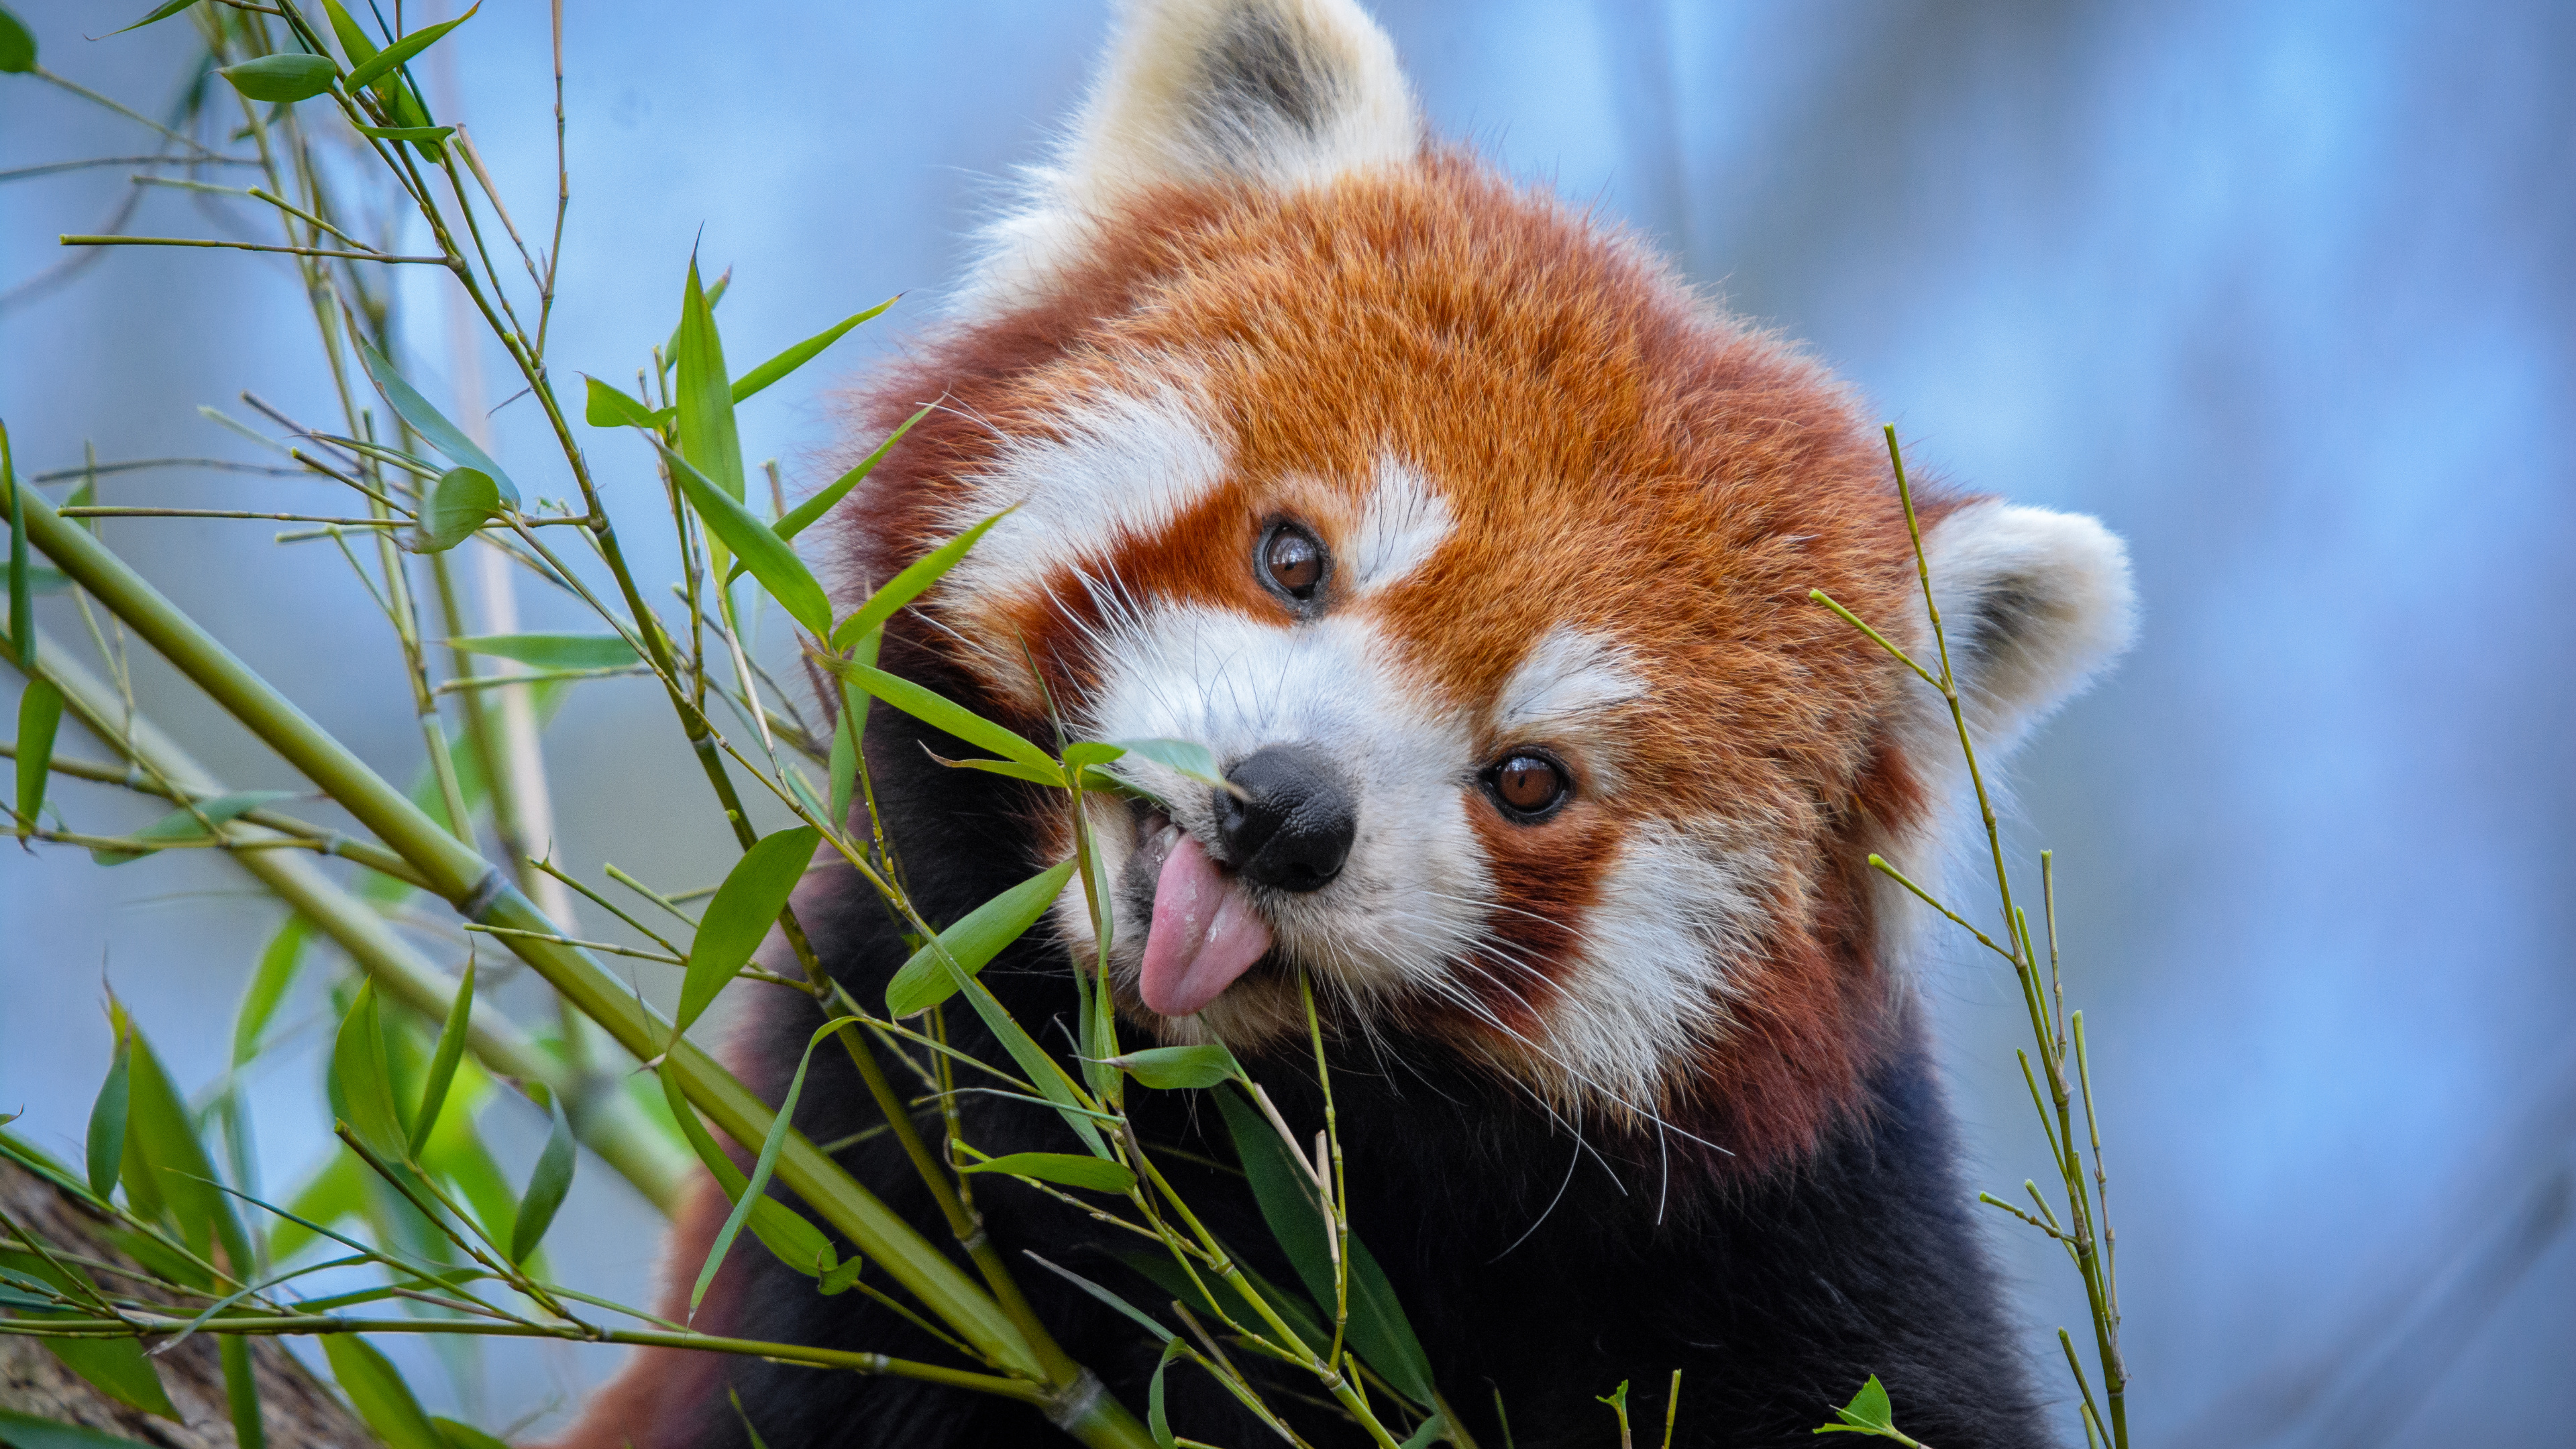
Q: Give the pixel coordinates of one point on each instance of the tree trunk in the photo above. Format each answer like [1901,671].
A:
[296,1410]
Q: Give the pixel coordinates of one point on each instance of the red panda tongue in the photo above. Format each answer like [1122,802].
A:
[1204,933]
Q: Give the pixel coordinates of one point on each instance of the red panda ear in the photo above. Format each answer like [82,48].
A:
[1282,93]
[2034,604]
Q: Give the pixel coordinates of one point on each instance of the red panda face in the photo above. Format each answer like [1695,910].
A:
[1477,551]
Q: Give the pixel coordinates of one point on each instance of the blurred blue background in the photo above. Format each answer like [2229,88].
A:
[2283,292]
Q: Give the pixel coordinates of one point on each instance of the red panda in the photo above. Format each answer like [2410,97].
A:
[1476,548]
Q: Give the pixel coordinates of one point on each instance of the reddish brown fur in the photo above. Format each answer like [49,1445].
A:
[1618,459]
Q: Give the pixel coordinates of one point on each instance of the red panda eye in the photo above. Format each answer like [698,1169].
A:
[1294,560]
[1528,784]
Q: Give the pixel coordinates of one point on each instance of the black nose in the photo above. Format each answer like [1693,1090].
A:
[1292,827]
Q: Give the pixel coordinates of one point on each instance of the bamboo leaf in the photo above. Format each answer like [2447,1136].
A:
[925,981]
[159,12]
[547,1184]
[432,424]
[763,552]
[107,1124]
[707,436]
[119,1368]
[744,909]
[354,42]
[840,1278]
[365,1085]
[162,1149]
[1157,1422]
[796,519]
[286,77]
[442,1063]
[379,1394]
[1034,774]
[334,1195]
[241,1393]
[552,651]
[604,406]
[26,1431]
[1285,1190]
[461,501]
[940,712]
[184,825]
[457,1435]
[802,353]
[418,135]
[404,49]
[17,45]
[1070,1169]
[758,1184]
[1173,1068]
[1183,757]
[40,714]
[781,1229]
[22,580]
[278,962]
[908,585]
[1868,1413]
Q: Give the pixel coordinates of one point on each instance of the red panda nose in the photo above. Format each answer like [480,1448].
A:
[1292,827]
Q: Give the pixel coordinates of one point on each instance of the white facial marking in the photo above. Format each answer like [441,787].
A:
[1402,523]
[1411,896]
[1567,674]
[1119,467]
[1647,984]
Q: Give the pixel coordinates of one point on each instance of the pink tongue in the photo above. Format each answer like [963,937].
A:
[1204,934]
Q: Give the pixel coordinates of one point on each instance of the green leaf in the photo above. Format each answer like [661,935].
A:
[908,585]
[943,713]
[744,909]
[409,113]
[1173,1068]
[40,713]
[547,1184]
[26,1431]
[1182,757]
[416,134]
[1428,1431]
[1286,1193]
[442,1063]
[841,770]
[241,1393]
[1158,1423]
[463,500]
[1034,774]
[606,407]
[925,981]
[183,825]
[22,579]
[805,352]
[365,1085]
[707,436]
[1070,1169]
[796,519]
[354,42]
[463,1436]
[768,556]
[17,45]
[278,962]
[842,1276]
[552,651]
[107,1125]
[404,49]
[162,11]
[758,1184]
[781,1229]
[286,77]
[379,1393]
[162,1150]
[432,424]
[1868,1413]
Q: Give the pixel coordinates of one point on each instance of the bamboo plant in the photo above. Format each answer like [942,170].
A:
[318,103]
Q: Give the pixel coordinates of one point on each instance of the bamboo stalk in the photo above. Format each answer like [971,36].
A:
[482,892]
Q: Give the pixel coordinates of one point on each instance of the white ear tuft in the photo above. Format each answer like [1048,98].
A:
[1281,92]
[2034,604]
